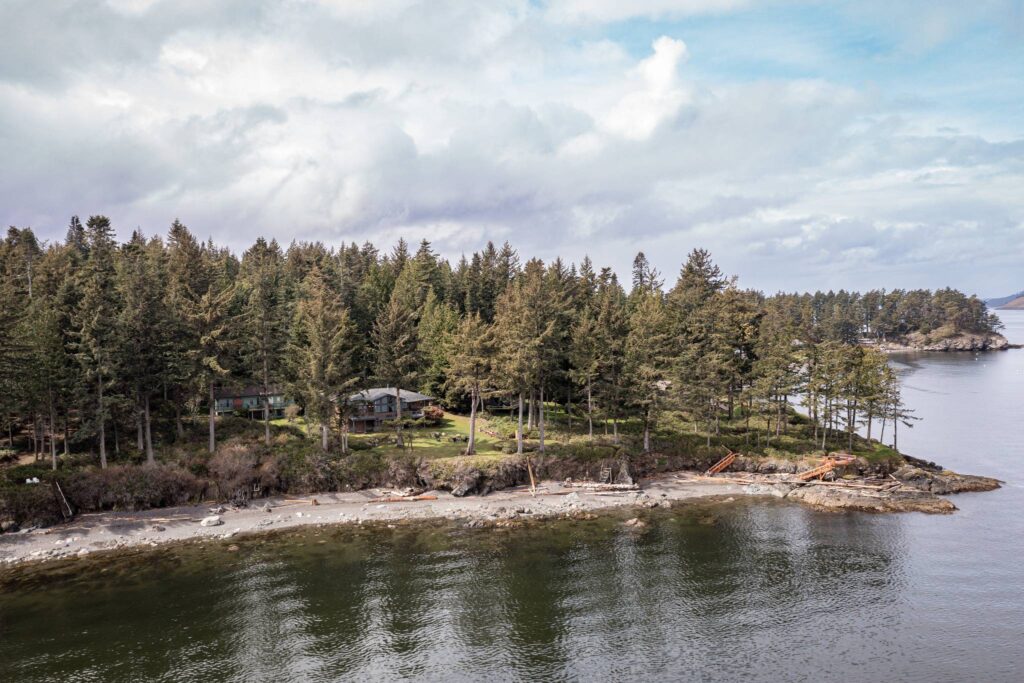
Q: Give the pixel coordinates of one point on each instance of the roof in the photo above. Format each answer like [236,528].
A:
[374,393]
[245,392]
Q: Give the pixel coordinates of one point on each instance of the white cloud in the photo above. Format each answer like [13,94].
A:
[659,96]
[462,122]
[600,11]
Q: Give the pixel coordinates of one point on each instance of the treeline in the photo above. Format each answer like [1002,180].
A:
[107,346]
[850,317]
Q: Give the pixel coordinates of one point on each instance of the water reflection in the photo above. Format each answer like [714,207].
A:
[733,591]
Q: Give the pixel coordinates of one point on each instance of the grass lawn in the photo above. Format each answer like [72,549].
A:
[433,442]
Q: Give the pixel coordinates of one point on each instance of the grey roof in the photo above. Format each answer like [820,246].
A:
[374,393]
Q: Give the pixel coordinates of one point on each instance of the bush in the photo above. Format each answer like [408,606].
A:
[131,487]
[234,472]
[432,416]
[29,504]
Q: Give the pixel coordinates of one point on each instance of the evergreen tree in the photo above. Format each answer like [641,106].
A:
[471,362]
[143,327]
[210,323]
[264,318]
[395,344]
[95,323]
[647,349]
[322,354]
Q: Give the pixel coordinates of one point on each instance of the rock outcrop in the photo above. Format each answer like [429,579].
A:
[959,342]
[943,482]
[836,498]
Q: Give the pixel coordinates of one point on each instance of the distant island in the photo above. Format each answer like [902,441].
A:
[1014,305]
[1013,302]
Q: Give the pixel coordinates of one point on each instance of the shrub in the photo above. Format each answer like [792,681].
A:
[234,471]
[432,416]
[131,487]
[29,504]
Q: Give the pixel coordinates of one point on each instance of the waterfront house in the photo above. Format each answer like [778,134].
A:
[248,401]
[371,407]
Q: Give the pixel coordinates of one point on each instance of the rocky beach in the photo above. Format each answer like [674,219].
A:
[918,486]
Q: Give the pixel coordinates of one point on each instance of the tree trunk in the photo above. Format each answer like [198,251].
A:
[785,411]
[266,402]
[67,432]
[139,439]
[615,429]
[471,444]
[102,421]
[540,420]
[178,425]
[647,434]
[519,429]
[568,410]
[53,436]
[398,418]
[323,435]
[213,419]
[853,422]
[530,407]
[590,412]
[150,459]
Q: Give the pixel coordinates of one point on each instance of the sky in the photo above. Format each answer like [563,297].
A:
[806,144]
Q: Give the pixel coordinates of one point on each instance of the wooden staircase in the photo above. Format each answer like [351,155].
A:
[721,465]
[823,469]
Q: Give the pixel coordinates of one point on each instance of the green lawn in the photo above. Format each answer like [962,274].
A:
[433,442]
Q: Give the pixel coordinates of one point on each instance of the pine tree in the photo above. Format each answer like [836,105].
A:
[321,352]
[210,323]
[646,358]
[395,344]
[264,318]
[585,352]
[471,363]
[437,327]
[95,322]
[143,327]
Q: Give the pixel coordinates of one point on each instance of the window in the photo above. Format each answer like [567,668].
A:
[224,404]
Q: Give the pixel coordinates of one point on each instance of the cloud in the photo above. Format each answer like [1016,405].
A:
[659,96]
[602,11]
[462,122]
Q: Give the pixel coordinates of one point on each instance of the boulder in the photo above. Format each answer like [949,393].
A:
[467,482]
[623,477]
[212,520]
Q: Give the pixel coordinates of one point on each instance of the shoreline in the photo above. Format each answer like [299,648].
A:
[110,532]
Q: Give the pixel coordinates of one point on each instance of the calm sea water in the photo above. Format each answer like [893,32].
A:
[752,591]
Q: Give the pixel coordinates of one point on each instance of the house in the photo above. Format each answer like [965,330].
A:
[249,401]
[370,408]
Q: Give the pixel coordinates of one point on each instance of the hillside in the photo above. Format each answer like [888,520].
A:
[1014,305]
[1004,301]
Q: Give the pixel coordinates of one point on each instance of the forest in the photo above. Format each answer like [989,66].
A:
[112,352]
